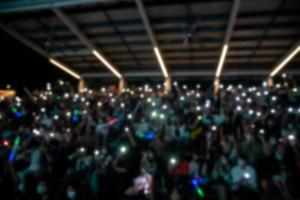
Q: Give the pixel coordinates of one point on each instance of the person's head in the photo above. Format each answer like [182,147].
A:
[41,188]
[71,192]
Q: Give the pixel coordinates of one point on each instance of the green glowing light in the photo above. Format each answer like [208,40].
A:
[75,112]
[17,141]
[14,110]
[200,192]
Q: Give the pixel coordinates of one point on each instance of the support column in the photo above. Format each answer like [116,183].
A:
[81,85]
[270,81]
[167,85]
[121,85]
[216,85]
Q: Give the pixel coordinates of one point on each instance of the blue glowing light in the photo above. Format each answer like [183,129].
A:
[149,135]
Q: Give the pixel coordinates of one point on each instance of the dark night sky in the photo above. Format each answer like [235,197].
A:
[20,66]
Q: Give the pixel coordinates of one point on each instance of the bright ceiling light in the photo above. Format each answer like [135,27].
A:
[64,68]
[106,63]
[161,62]
[285,61]
[221,61]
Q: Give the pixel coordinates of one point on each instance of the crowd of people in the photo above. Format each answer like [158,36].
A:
[143,143]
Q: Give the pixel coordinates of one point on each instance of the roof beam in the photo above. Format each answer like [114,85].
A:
[232,19]
[152,38]
[97,53]
[185,73]
[22,6]
[292,52]
[38,50]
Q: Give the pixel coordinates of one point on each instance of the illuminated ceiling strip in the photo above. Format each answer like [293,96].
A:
[74,28]
[64,68]
[287,59]
[106,63]
[151,36]
[221,61]
[161,62]
[232,19]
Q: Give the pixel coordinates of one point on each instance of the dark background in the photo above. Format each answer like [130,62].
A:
[21,67]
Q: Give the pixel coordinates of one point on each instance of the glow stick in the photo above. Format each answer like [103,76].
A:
[112,121]
[12,154]
[196,182]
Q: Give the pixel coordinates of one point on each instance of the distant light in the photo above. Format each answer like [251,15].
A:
[237,98]
[198,108]
[265,84]
[36,132]
[182,98]
[154,114]
[291,137]
[52,135]
[249,100]
[258,114]
[96,152]
[273,111]
[129,116]
[173,161]
[164,107]
[198,86]
[214,128]
[266,93]
[262,131]
[238,108]
[273,98]
[278,85]
[290,109]
[82,149]
[66,95]
[295,90]
[162,116]
[5,143]
[99,104]
[247,175]
[123,149]
[68,114]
